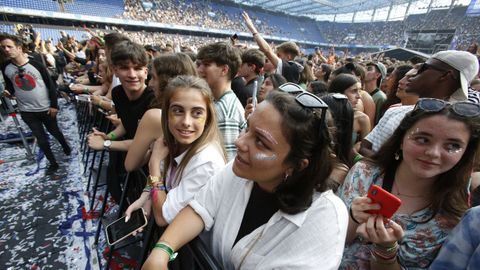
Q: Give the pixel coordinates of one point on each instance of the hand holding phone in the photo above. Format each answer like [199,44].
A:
[254,94]
[389,204]
[121,229]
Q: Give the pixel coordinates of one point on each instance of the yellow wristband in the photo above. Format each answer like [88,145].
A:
[153,180]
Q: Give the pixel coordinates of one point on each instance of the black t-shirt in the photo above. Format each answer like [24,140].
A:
[246,90]
[291,71]
[260,208]
[130,112]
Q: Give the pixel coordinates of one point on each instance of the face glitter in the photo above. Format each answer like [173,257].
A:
[413,133]
[267,135]
[262,156]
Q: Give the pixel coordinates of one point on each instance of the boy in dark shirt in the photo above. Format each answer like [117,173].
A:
[132,99]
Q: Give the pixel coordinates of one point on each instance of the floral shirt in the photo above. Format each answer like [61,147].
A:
[422,241]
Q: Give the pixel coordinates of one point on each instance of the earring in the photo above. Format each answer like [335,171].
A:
[397,155]
[285,177]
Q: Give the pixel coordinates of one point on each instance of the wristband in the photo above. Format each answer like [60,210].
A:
[351,216]
[167,249]
[254,34]
[85,91]
[357,158]
[152,180]
[147,189]
[160,186]
[112,136]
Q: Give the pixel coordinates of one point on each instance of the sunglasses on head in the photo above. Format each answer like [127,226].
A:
[463,108]
[291,88]
[304,98]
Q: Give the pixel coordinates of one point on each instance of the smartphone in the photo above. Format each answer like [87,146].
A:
[119,229]
[389,204]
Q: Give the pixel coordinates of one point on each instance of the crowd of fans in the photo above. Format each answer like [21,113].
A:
[293,175]
[201,14]
[194,13]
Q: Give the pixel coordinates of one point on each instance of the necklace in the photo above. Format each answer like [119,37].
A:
[251,247]
[406,195]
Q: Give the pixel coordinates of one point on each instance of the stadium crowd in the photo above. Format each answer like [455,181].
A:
[267,152]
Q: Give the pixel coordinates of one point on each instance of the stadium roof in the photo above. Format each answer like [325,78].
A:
[320,7]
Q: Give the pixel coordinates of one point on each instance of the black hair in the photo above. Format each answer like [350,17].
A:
[222,53]
[310,139]
[129,51]
[341,83]
[319,88]
[342,113]
[327,69]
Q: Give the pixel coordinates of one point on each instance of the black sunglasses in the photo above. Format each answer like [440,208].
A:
[463,108]
[304,98]
[426,66]
[308,100]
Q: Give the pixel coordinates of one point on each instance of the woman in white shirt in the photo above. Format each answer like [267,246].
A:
[189,152]
[270,207]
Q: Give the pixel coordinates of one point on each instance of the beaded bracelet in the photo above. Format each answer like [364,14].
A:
[147,189]
[167,249]
[159,186]
[385,253]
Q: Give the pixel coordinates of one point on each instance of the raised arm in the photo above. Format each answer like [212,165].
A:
[262,44]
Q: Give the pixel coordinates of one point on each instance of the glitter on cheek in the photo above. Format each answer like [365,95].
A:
[262,156]
[455,151]
[267,134]
[413,133]
[202,120]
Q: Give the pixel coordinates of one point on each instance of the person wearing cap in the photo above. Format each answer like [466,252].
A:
[445,75]
[376,72]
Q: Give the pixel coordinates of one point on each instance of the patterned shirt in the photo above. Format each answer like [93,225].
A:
[231,120]
[462,247]
[422,239]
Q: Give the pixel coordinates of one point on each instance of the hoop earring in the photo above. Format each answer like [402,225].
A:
[397,155]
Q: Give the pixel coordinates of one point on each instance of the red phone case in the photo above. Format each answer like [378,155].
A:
[388,202]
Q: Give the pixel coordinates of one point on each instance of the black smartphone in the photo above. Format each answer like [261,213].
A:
[119,229]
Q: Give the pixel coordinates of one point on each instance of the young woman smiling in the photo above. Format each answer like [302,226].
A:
[427,164]
[191,149]
[269,208]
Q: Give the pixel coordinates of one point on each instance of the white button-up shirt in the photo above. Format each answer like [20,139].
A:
[313,239]
[201,167]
